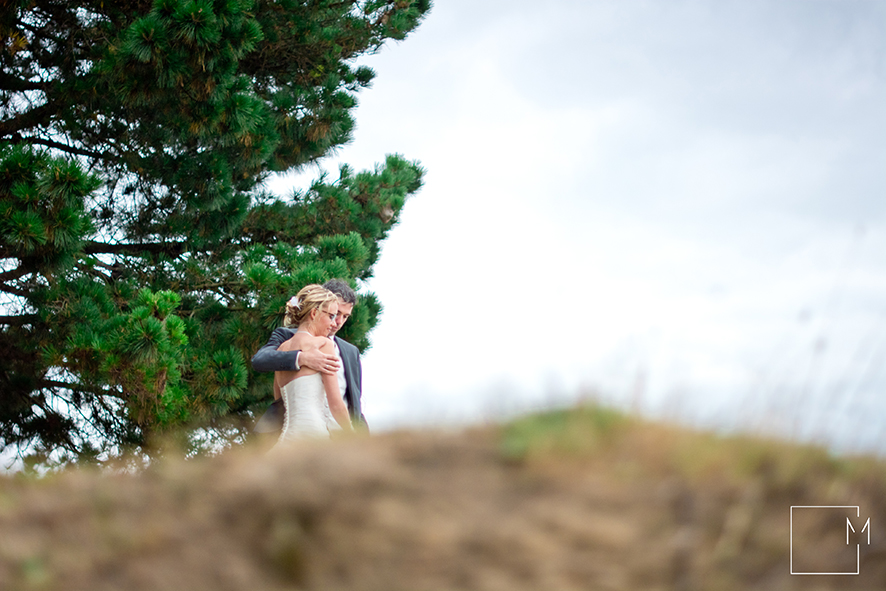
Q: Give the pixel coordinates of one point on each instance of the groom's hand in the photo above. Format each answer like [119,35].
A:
[319,361]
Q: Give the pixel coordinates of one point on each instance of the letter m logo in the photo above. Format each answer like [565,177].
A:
[866,528]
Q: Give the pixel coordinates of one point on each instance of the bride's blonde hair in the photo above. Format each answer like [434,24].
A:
[307,299]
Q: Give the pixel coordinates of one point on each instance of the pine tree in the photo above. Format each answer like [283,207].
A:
[142,263]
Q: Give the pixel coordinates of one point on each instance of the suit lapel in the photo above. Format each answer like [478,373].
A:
[345,356]
[347,360]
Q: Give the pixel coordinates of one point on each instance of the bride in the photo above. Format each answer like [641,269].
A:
[313,401]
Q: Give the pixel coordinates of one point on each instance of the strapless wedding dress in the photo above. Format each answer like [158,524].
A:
[307,410]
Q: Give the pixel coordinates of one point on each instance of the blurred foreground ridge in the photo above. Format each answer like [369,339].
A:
[580,499]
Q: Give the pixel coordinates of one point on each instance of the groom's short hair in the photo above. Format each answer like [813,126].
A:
[342,290]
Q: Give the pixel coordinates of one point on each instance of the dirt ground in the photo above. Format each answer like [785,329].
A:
[647,508]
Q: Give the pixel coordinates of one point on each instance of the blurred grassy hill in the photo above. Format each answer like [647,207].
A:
[581,499]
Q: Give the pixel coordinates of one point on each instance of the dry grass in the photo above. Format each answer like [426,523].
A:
[581,499]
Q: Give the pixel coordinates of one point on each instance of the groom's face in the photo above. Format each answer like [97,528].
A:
[344,312]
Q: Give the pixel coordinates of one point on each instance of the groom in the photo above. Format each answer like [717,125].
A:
[350,374]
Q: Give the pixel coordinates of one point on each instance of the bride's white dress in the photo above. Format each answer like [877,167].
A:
[307,410]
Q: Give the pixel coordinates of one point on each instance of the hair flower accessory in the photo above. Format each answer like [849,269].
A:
[293,301]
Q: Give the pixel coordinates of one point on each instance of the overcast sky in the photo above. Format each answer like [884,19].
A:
[676,205]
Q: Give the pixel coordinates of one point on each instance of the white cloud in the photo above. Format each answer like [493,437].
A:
[645,197]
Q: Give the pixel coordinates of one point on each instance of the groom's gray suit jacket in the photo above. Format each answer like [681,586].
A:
[268,358]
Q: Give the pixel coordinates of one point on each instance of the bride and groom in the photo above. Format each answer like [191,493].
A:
[317,375]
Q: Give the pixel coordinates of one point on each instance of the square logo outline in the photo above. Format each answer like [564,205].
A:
[857,548]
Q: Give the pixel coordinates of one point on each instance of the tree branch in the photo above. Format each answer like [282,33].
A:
[170,248]
[65,147]
[19,320]
[15,84]
[13,290]
[88,270]
[34,118]
[16,273]
[45,383]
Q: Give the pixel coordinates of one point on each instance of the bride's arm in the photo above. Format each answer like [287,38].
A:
[333,395]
